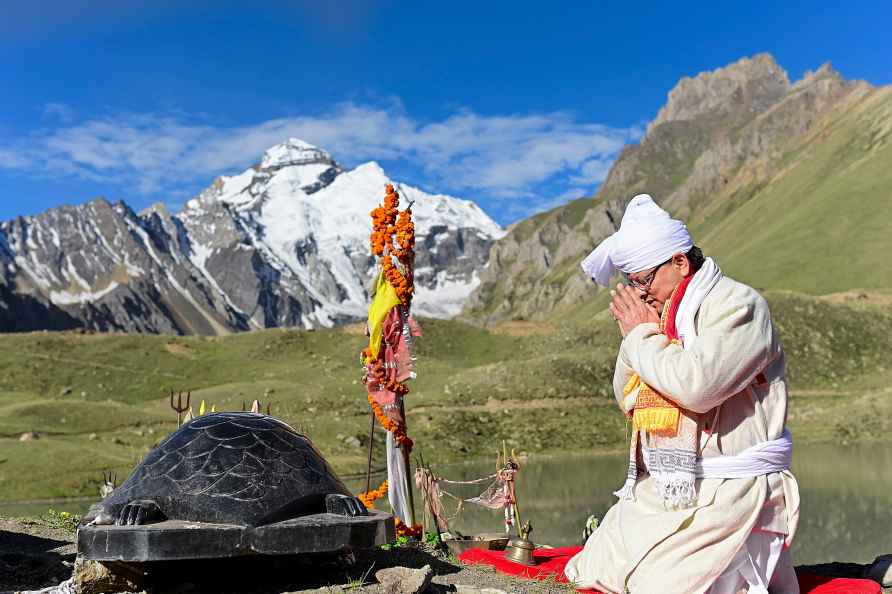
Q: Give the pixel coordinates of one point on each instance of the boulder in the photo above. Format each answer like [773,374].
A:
[92,577]
[404,580]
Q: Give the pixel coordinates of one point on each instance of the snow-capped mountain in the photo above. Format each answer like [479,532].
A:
[283,243]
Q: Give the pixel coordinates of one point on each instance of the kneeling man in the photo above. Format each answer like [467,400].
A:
[709,504]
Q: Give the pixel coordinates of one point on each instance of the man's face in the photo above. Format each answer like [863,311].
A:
[656,284]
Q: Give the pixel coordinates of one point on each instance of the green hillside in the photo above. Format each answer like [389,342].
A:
[793,192]
[824,223]
[99,402]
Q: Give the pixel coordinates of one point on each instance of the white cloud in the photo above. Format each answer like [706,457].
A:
[12,159]
[518,157]
[593,171]
[522,208]
[60,111]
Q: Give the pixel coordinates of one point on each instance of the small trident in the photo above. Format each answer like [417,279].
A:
[179,407]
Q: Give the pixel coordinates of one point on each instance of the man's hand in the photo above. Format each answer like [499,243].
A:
[629,309]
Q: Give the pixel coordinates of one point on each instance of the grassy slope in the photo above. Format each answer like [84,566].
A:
[820,225]
[823,225]
[544,388]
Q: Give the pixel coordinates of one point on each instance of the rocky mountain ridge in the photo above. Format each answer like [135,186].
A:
[722,138]
[284,243]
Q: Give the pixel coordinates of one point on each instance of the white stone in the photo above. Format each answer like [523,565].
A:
[404,580]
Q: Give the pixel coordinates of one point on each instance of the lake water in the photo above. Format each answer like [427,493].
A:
[846,499]
[846,492]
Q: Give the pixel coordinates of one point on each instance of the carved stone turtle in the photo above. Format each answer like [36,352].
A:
[228,468]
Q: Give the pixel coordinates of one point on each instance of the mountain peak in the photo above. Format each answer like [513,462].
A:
[371,167]
[158,208]
[746,86]
[294,151]
[825,72]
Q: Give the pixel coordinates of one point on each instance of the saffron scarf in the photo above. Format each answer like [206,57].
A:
[667,433]
[384,300]
[653,412]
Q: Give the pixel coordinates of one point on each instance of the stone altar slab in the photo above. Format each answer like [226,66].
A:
[178,540]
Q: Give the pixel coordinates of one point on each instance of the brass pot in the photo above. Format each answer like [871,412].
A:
[491,541]
[520,550]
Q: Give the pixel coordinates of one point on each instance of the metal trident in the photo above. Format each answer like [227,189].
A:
[179,407]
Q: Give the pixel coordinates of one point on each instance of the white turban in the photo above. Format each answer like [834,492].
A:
[647,237]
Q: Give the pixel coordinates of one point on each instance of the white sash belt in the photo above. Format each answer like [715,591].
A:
[763,458]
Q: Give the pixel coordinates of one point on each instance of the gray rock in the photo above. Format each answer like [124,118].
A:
[881,571]
[752,84]
[92,577]
[66,587]
[404,580]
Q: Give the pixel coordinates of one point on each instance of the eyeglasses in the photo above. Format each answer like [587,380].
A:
[645,283]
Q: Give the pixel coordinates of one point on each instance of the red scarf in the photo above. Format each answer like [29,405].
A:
[671,330]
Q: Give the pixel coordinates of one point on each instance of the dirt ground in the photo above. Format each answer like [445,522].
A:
[34,556]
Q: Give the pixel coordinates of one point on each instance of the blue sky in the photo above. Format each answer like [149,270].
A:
[518,106]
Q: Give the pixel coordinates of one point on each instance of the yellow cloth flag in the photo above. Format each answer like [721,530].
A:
[653,412]
[385,299]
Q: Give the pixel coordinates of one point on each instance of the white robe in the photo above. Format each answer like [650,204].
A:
[640,546]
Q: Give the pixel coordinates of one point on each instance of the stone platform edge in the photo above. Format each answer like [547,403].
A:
[177,539]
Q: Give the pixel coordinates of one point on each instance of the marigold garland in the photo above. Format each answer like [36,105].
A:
[398,429]
[376,372]
[369,499]
[388,222]
[403,530]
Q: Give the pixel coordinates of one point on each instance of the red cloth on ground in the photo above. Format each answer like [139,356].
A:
[810,583]
[552,562]
[548,562]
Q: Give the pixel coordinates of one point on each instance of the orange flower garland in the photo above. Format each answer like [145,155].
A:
[387,221]
[403,530]
[369,499]
[383,218]
[398,429]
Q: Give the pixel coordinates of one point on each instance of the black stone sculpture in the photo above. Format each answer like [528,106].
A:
[236,468]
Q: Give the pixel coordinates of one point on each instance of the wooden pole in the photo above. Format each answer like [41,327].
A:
[408,469]
[429,507]
[424,506]
[368,474]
